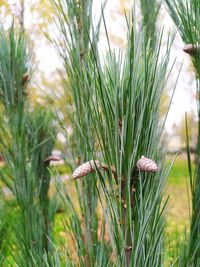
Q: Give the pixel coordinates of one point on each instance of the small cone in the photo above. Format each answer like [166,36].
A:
[191,49]
[147,165]
[86,168]
[25,78]
[120,124]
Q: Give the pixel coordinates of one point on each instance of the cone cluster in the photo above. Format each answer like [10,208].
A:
[143,164]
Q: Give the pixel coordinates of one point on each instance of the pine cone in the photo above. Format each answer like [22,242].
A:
[86,168]
[147,165]
[191,49]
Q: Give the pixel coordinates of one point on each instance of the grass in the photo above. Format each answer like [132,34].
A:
[179,205]
[179,202]
[179,171]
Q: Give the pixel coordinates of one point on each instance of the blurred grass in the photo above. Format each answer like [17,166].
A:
[179,205]
[179,171]
[179,197]
[178,208]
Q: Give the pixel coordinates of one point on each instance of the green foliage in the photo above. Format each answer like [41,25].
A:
[116,119]
[186,16]
[150,10]
[133,211]
[26,140]
[73,44]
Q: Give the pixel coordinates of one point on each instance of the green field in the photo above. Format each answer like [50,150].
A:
[177,188]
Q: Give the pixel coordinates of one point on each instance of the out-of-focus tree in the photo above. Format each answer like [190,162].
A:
[192,130]
[32,16]
[5,8]
[149,11]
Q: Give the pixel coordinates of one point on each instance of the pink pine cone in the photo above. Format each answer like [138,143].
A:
[86,168]
[147,165]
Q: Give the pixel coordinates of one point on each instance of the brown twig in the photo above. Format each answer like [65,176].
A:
[52,158]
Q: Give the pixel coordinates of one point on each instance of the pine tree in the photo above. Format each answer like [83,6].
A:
[186,16]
